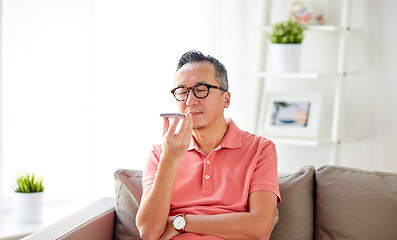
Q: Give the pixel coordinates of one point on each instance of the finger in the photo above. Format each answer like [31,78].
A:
[189,126]
[183,127]
[166,125]
[172,128]
[186,127]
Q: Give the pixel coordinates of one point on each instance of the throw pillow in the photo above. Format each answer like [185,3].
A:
[296,207]
[128,197]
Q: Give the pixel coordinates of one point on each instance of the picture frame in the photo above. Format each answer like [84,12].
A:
[301,11]
[307,12]
[293,115]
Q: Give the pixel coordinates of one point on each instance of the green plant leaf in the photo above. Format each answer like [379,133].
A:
[29,183]
[287,32]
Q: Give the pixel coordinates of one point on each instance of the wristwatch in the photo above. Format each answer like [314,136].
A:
[180,222]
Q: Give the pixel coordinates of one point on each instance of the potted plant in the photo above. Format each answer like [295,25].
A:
[29,198]
[286,38]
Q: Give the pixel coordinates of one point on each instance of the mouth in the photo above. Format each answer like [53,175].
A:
[194,113]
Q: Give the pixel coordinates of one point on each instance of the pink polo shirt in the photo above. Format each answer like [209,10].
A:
[220,182]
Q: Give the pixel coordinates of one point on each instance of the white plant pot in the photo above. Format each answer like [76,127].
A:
[285,57]
[29,207]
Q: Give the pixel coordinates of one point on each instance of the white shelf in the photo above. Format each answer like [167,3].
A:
[339,75]
[296,75]
[321,28]
[331,28]
[306,75]
[300,141]
[324,28]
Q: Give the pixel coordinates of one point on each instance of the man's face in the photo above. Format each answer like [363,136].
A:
[206,110]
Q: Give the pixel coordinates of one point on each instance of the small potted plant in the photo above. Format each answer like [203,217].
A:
[286,38]
[29,198]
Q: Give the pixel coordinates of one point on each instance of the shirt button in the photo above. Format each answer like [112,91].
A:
[207,177]
[208,162]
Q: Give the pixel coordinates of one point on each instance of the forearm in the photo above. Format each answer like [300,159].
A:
[232,225]
[155,206]
[257,223]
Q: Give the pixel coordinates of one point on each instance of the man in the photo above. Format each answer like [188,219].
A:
[208,179]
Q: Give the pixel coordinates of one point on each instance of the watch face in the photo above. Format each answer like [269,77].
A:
[179,223]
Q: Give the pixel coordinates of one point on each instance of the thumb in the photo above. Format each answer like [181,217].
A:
[166,125]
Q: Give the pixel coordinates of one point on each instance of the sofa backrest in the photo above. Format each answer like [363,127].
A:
[328,203]
[295,210]
[355,204]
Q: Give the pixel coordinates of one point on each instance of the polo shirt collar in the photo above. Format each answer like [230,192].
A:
[232,138]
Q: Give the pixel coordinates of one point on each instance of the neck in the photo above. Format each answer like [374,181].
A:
[210,137]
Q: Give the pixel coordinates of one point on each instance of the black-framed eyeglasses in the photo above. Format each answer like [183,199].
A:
[200,91]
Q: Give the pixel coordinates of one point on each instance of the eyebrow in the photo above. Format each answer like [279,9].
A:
[197,83]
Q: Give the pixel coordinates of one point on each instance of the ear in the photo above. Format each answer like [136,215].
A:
[226,99]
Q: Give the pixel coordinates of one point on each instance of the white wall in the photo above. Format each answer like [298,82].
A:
[378,90]
[45,94]
[135,56]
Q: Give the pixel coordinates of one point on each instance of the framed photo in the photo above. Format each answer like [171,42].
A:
[301,11]
[292,115]
[307,12]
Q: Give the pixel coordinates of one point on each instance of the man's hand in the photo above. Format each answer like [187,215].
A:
[175,144]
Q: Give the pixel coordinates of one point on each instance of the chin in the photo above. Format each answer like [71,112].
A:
[197,123]
[197,126]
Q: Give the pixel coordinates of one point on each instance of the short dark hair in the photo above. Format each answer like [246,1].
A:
[193,56]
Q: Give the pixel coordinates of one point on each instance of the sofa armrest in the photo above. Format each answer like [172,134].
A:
[96,221]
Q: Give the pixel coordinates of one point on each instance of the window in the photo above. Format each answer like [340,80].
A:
[70,108]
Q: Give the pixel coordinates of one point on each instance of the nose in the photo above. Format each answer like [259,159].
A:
[191,98]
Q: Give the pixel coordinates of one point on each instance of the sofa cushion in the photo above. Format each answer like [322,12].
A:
[128,197]
[297,206]
[355,204]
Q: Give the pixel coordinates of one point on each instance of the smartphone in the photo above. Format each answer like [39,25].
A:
[171,115]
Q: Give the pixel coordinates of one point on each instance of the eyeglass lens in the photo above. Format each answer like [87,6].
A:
[199,91]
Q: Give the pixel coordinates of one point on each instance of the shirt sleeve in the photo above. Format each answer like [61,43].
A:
[151,166]
[265,175]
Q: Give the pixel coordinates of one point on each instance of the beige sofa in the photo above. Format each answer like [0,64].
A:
[328,203]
